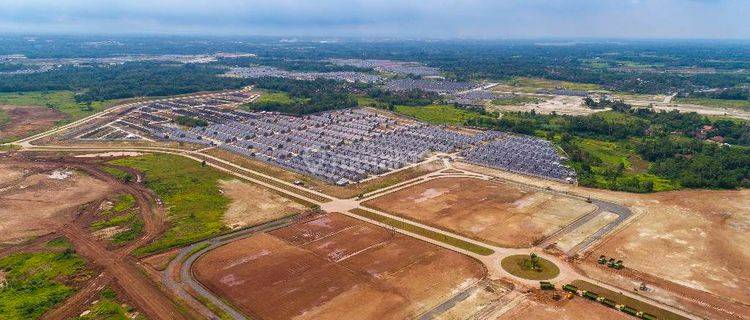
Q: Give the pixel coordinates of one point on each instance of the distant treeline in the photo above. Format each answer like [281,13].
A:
[128,80]
[309,96]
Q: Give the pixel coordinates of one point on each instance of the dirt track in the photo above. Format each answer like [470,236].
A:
[117,265]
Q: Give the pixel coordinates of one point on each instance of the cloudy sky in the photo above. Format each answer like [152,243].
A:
[385,18]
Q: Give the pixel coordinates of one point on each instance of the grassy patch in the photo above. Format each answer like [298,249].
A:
[4,117]
[276,97]
[121,215]
[63,101]
[119,174]
[532,84]
[191,194]
[617,164]
[438,114]
[36,282]
[718,103]
[520,266]
[516,100]
[628,301]
[109,307]
[455,242]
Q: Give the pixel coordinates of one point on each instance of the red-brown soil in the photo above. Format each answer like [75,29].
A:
[335,267]
[493,211]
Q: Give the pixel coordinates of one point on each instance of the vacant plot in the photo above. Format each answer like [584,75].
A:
[574,309]
[335,267]
[497,212]
[439,114]
[697,232]
[35,282]
[62,101]
[22,121]
[252,204]
[190,192]
[43,195]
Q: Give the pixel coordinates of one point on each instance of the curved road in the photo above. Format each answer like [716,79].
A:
[492,262]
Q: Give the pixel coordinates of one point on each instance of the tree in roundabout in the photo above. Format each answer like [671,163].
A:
[530,267]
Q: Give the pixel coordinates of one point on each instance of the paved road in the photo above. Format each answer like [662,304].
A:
[492,262]
[191,253]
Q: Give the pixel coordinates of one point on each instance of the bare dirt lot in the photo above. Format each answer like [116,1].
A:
[25,120]
[497,212]
[253,205]
[698,232]
[570,105]
[42,194]
[335,267]
[575,309]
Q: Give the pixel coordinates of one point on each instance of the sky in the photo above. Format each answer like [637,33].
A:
[483,19]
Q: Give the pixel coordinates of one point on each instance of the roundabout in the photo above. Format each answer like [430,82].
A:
[530,267]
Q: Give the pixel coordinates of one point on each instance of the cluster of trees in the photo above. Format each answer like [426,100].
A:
[666,139]
[604,103]
[190,121]
[736,93]
[413,97]
[309,96]
[301,65]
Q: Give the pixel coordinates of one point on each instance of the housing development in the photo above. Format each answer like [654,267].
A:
[320,181]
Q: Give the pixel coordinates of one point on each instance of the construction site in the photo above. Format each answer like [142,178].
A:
[190,208]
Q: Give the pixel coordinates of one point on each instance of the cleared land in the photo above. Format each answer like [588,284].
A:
[33,282]
[44,194]
[252,205]
[575,309]
[21,121]
[570,105]
[697,232]
[335,267]
[492,211]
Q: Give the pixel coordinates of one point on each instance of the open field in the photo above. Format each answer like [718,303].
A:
[619,298]
[109,305]
[348,191]
[438,114]
[252,204]
[190,192]
[34,282]
[575,309]
[23,121]
[62,101]
[718,103]
[532,85]
[335,267]
[44,194]
[497,212]
[697,231]
[570,105]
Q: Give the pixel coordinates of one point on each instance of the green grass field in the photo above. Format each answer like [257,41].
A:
[718,103]
[536,83]
[191,194]
[517,266]
[438,114]
[614,153]
[36,282]
[119,174]
[121,215]
[275,97]
[109,307]
[516,100]
[63,101]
